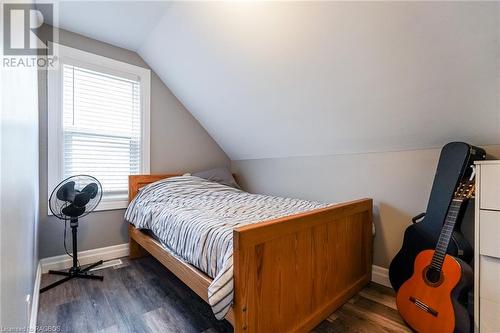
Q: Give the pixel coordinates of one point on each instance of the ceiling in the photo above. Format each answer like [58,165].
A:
[280,79]
[122,23]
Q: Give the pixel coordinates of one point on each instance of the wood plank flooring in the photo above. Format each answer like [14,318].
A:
[142,296]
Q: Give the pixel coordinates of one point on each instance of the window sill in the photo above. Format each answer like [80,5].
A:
[112,205]
[106,205]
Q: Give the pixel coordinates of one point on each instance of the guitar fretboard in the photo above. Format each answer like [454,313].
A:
[446,233]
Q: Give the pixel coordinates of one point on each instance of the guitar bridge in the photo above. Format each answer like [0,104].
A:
[423,306]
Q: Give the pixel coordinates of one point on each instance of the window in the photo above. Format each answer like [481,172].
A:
[98,122]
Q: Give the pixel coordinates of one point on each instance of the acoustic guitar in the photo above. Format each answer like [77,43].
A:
[454,165]
[434,298]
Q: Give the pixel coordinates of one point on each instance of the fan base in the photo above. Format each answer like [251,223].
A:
[74,272]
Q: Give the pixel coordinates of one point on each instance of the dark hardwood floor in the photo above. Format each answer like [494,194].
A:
[142,296]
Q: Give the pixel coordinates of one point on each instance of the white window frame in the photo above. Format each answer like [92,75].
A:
[75,57]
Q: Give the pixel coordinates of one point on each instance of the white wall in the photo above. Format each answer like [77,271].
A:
[18,193]
[399,183]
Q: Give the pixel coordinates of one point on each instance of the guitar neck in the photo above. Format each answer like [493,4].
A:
[446,233]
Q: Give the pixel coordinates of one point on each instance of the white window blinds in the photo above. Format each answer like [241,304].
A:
[101,128]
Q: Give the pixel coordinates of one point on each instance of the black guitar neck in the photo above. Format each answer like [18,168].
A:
[445,237]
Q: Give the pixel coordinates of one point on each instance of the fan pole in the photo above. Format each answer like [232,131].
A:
[74,225]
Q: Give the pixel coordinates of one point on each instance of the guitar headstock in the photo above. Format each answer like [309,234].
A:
[466,188]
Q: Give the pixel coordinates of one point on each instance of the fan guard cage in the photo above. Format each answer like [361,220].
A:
[56,206]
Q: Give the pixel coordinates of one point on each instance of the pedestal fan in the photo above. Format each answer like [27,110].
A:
[72,199]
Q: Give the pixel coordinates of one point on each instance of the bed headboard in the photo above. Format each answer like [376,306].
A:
[135,182]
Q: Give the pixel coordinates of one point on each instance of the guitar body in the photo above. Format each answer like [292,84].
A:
[417,238]
[436,305]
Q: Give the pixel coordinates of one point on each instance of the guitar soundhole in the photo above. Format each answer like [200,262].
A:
[433,277]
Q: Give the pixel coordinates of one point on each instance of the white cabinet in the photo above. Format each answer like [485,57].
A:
[487,248]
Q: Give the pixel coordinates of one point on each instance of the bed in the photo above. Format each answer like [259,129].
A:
[289,273]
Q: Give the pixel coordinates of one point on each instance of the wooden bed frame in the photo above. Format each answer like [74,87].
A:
[289,273]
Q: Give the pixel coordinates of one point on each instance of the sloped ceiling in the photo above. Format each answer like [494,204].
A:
[121,23]
[279,79]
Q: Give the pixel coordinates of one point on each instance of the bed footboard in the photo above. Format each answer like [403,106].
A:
[291,273]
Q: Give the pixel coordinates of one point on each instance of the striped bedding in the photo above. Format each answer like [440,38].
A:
[194,219]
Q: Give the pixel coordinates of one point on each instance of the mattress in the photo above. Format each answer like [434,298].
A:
[194,219]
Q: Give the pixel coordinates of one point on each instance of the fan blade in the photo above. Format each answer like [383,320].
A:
[73,211]
[91,189]
[66,192]
[81,199]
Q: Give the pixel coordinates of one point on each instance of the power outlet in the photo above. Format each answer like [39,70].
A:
[28,307]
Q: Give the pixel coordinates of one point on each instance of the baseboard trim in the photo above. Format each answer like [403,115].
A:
[35,297]
[85,257]
[380,275]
